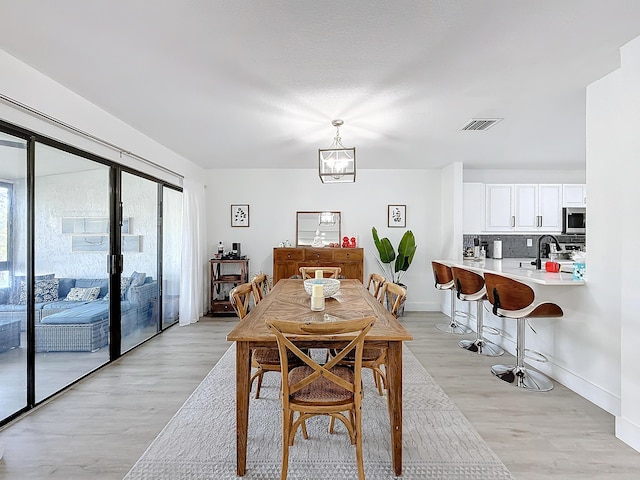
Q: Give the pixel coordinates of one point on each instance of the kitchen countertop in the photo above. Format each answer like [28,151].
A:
[510,267]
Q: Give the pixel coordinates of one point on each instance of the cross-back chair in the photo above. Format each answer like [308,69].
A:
[375,358]
[393,297]
[261,287]
[240,298]
[327,272]
[374,285]
[263,359]
[321,389]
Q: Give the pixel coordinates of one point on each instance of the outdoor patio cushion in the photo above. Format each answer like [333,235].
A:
[88,313]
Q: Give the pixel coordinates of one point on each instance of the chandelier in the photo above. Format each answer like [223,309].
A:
[337,164]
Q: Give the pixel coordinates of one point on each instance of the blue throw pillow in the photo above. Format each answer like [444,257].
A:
[137,279]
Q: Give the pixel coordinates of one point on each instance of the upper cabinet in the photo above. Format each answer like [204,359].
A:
[550,207]
[574,195]
[499,208]
[523,208]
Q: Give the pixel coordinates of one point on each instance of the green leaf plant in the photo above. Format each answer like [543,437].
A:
[395,265]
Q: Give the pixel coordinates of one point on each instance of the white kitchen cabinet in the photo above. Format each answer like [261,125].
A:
[550,207]
[499,206]
[473,208]
[574,195]
[526,207]
[523,208]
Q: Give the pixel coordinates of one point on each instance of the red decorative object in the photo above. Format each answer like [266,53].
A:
[345,242]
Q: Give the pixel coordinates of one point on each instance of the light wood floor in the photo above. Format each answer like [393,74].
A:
[100,427]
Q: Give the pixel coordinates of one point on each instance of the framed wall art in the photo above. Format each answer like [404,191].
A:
[239,215]
[397,216]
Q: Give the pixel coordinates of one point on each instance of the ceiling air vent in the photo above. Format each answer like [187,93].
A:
[480,123]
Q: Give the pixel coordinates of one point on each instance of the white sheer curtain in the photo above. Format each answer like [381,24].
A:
[193,270]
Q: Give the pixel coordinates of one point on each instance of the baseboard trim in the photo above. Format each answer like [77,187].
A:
[628,433]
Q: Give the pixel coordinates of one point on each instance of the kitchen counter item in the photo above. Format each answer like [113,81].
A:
[497,249]
[552,267]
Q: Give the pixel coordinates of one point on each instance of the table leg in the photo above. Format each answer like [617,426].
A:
[394,396]
[243,371]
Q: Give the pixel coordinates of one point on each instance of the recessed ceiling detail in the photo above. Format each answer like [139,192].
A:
[479,124]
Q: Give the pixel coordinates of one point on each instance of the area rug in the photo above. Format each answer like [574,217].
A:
[199,441]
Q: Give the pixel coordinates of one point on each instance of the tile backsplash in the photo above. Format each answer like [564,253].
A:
[515,246]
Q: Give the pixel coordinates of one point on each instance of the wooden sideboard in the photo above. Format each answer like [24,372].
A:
[287,261]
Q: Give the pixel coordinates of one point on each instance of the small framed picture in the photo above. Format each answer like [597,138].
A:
[239,215]
[397,216]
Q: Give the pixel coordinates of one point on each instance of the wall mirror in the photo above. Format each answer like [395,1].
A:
[317,229]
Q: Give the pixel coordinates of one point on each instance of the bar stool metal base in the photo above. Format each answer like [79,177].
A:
[453,327]
[481,347]
[522,377]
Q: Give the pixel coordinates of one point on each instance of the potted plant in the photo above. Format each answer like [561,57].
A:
[395,265]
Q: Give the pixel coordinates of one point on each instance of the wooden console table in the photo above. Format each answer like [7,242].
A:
[287,261]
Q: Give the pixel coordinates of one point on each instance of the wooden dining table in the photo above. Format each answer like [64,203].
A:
[289,301]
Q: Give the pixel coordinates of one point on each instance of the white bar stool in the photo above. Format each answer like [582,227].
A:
[513,299]
[444,281]
[470,287]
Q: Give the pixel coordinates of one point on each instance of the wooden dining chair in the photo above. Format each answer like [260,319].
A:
[327,272]
[393,297]
[261,287]
[240,298]
[375,358]
[321,389]
[374,285]
[263,359]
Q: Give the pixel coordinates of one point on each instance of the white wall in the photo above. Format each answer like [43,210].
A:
[613,149]
[275,196]
[451,212]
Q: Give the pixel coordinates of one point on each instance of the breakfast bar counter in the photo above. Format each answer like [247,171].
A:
[517,268]
[572,343]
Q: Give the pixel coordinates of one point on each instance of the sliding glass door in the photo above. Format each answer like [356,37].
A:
[89,264]
[171,253]
[13,260]
[71,237]
[140,307]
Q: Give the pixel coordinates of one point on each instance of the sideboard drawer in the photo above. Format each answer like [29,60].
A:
[318,255]
[346,254]
[288,254]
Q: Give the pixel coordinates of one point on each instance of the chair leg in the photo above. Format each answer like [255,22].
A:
[359,455]
[259,383]
[453,326]
[287,418]
[376,381]
[480,345]
[518,375]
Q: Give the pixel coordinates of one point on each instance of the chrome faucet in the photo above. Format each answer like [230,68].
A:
[538,262]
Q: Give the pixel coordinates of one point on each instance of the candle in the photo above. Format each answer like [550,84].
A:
[318,273]
[317,298]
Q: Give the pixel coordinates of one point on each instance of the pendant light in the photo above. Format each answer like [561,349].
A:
[337,164]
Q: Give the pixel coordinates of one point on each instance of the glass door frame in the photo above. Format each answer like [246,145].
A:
[114,259]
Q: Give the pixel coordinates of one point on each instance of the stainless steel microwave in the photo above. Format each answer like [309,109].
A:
[574,220]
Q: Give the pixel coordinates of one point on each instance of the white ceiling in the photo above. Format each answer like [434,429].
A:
[255,84]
